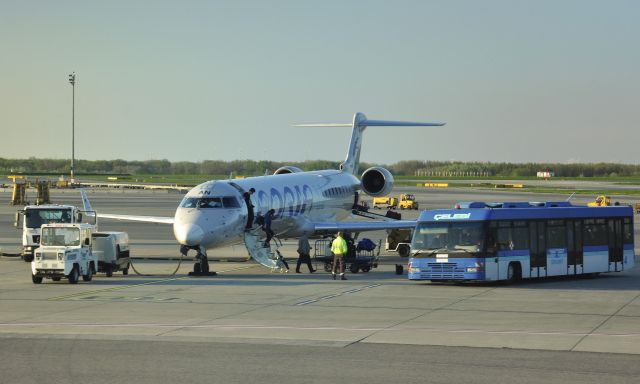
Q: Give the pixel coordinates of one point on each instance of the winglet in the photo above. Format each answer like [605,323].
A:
[85,200]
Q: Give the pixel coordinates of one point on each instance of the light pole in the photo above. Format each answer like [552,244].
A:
[72,80]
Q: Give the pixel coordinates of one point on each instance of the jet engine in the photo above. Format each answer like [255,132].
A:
[376,181]
[287,169]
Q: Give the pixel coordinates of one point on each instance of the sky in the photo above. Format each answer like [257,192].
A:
[515,81]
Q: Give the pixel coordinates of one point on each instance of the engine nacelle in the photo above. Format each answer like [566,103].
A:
[376,181]
[287,169]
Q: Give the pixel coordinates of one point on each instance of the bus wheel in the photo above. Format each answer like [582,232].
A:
[403,250]
[513,272]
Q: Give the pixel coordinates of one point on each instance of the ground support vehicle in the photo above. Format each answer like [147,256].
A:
[64,252]
[407,201]
[399,240]
[514,240]
[112,252]
[600,201]
[386,202]
[354,261]
[34,216]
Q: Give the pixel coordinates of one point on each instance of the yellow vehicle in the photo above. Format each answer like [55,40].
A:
[600,201]
[386,202]
[407,201]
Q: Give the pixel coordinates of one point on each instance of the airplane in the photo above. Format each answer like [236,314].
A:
[315,203]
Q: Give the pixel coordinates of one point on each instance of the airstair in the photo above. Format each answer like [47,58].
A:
[254,241]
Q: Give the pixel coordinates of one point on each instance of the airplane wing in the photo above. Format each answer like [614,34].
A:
[362,226]
[146,219]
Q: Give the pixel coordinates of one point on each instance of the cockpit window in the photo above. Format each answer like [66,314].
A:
[230,202]
[210,202]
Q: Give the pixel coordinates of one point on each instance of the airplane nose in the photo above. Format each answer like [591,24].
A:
[188,234]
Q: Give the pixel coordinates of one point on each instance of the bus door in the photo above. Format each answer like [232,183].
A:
[538,249]
[574,247]
[616,250]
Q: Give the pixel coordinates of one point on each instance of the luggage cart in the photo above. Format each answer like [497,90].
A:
[354,261]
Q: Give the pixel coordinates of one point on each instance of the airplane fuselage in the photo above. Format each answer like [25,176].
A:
[214,213]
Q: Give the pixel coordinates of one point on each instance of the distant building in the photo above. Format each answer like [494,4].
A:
[546,174]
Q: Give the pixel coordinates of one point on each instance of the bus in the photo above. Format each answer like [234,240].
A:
[510,241]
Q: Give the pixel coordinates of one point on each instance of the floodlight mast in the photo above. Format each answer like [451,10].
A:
[72,80]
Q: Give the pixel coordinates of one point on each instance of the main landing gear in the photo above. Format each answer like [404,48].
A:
[201,266]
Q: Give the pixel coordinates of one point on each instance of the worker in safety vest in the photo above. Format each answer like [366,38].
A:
[339,249]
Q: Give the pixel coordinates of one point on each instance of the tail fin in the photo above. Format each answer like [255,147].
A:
[360,122]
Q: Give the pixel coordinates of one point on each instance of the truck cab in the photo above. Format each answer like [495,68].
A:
[64,251]
[386,202]
[34,216]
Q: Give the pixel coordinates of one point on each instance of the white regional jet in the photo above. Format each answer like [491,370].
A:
[214,214]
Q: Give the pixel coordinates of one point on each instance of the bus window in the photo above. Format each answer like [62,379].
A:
[595,232]
[627,231]
[556,234]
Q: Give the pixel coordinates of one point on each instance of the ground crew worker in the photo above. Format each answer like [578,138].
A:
[339,249]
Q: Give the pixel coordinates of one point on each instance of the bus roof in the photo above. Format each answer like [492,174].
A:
[477,211]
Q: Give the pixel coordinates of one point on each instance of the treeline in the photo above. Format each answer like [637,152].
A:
[253,167]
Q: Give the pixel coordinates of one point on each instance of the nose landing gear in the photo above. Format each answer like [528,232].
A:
[201,266]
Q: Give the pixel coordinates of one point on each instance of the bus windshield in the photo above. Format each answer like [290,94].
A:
[62,237]
[430,238]
[35,218]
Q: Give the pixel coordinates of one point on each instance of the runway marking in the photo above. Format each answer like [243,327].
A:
[311,301]
[299,328]
[103,290]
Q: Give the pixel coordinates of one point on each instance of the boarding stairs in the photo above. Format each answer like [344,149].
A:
[254,241]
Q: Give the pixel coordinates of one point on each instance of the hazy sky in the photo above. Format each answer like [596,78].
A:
[519,81]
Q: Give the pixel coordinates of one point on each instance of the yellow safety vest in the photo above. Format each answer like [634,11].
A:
[339,246]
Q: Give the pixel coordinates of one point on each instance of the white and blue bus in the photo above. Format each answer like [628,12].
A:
[510,241]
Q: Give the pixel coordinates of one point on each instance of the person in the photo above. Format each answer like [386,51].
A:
[303,254]
[339,249]
[247,199]
[282,261]
[268,218]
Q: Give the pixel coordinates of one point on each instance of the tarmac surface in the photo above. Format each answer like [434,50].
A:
[249,324]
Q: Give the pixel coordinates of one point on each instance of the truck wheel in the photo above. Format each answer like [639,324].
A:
[27,258]
[56,278]
[354,268]
[403,250]
[366,269]
[328,267]
[89,274]
[74,275]
[108,270]
[125,270]
[36,279]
